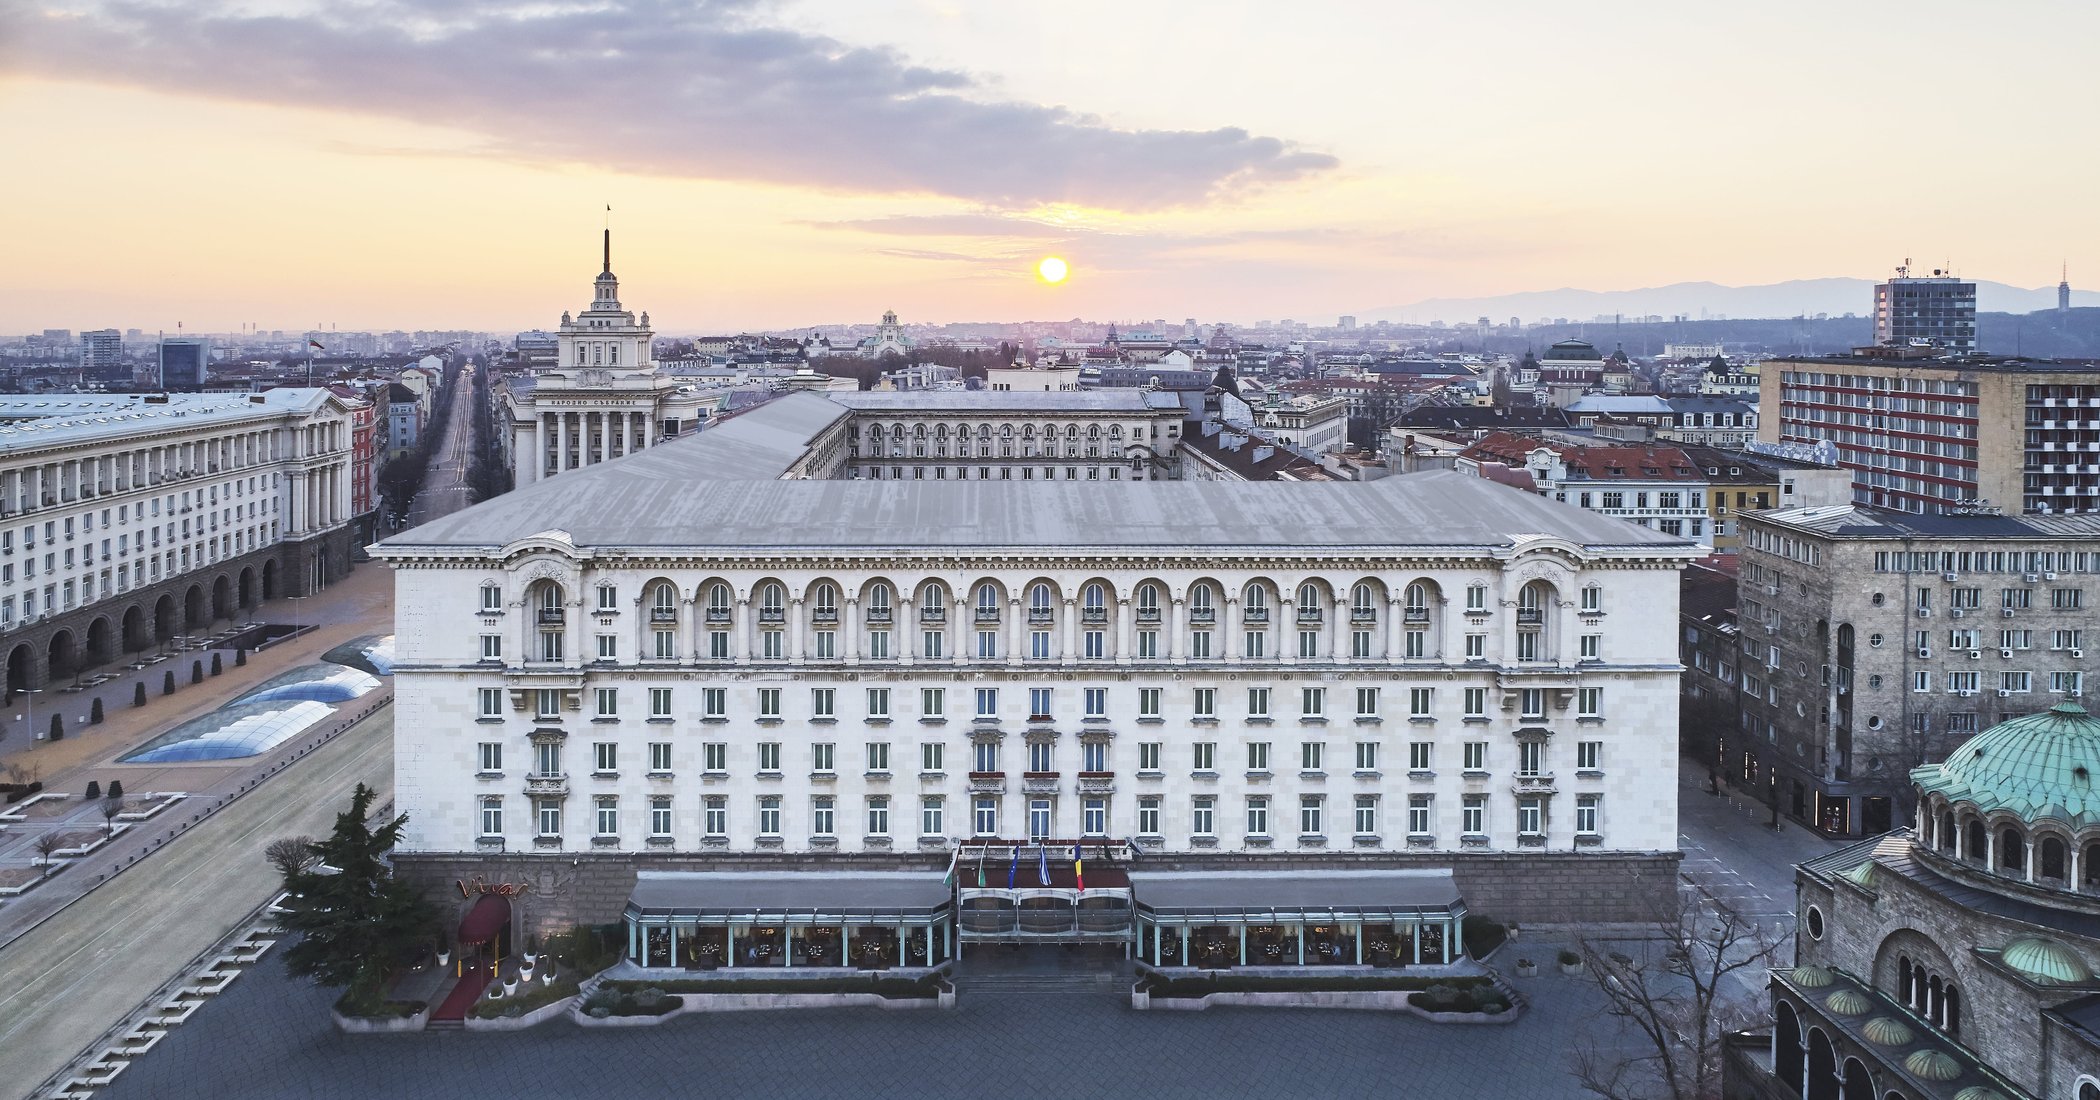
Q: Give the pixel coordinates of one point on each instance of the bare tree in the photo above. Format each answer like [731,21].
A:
[291,854]
[111,807]
[46,844]
[1682,991]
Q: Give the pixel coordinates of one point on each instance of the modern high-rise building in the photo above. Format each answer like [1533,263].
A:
[102,354]
[185,362]
[1938,309]
[1925,434]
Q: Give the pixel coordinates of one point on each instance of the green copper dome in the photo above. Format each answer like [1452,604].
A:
[2045,961]
[1932,1065]
[1887,1032]
[1811,977]
[2038,767]
[1861,876]
[1848,1002]
[1978,1092]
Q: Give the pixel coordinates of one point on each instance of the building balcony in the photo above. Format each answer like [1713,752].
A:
[1040,616]
[987,782]
[933,614]
[1255,615]
[1093,614]
[718,615]
[1540,783]
[772,614]
[1310,615]
[1416,616]
[987,615]
[547,784]
[824,615]
[1363,616]
[1203,614]
[1531,616]
[552,616]
[1148,614]
[1097,782]
[878,615]
[1039,782]
[663,614]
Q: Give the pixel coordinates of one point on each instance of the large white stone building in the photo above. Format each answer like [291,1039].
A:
[718,653]
[1099,435]
[127,519]
[604,397]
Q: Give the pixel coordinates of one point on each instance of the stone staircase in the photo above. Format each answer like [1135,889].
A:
[1042,970]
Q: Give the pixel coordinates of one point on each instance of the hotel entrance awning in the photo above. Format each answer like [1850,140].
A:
[797,897]
[1264,896]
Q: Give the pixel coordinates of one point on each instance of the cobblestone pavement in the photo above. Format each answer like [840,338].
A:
[270,1037]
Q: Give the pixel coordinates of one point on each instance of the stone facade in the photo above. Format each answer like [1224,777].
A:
[1871,645]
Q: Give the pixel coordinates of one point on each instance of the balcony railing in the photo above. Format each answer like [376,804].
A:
[772,614]
[1203,614]
[663,614]
[1363,615]
[1416,615]
[987,614]
[1309,615]
[825,615]
[1041,616]
[1093,614]
[1148,614]
[552,616]
[1256,614]
[1530,616]
[878,614]
[547,783]
[933,614]
[718,614]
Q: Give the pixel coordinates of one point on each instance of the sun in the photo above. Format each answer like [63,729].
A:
[1052,270]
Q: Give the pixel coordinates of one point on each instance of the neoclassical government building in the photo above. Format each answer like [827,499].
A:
[726,653]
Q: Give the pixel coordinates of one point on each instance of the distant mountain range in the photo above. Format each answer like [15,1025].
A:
[1793,298]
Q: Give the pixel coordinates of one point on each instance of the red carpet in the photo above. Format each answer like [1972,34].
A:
[463,996]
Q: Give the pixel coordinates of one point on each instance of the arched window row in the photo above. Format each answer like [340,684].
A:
[1932,996]
[2002,845]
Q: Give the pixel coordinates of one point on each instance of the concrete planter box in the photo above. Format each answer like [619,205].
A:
[764,1002]
[521,1021]
[1377,1000]
[160,800]
[20,810]
[362,1025]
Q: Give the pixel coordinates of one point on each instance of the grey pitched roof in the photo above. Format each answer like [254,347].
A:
[718,490]
[991,402]
[1862,521]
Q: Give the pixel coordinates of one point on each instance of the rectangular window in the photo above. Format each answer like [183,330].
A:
[768,757]
[984,817]
[931,821]
[823,703]
[1308,644]
[666,644]
[988,703]
[1589,702]
[1040,757]
[492,815]
[660,815]
[1309,823]
[491,702]
[2068,683]
[1148,815]
[984,757]
[608,598]
[1258,816]
[714,702]
[1038,819]
[1312,702]
[933,757]
[769,815]
[714,756]
[491,647]
[1588,755]
[987,645]
[1204,756]
[878,756]
[821,758]
[1473,814]
[1367,702]
[1257,702]
[1475,756]
[1530,816]
[1093,757]
[1206,702]
[772,645]
[1199,646]
[718,645]
[1476,647]
[1148,756]
[608,647]
[933,644]
[491,756]
[1531,702]
[1530,754]
[1359,644]
[1312,756]
[659,702]
[605,756]
[659,756]
[2019,683]
[827,646]
[823,816]
[1039,700]
[1093,817]
[1257,756]
[1148,703]
[2067,599]
[879,703]
[1096,703]
[1476,598]
[608,814]
[1366,815]
[548,813]
[768,703]
[1418,755]
[1421,702]
[878,645]
[933,702]
[878,815]
[715,815]
[1586,814]
[1476,702]
[1256,644]
[1038,645]
[1148,645]
[1203,816]
[1592,647]
[1419,816]
[1367,756]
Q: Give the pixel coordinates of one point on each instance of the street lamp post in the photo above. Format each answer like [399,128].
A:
[295,613]
[30,705]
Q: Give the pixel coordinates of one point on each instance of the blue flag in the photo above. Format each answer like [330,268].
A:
[1042,863]
[1013,866]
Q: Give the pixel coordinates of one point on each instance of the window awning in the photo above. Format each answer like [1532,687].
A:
[803,897]
[489,915]
[1296,895]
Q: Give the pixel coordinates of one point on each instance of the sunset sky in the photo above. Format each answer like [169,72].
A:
[397,164]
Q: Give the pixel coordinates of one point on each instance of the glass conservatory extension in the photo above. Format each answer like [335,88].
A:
[788,919]
[1218,920]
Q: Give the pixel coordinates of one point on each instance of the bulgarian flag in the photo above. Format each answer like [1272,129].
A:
[1079,868]
[316,345]
[949,878]
[981,853]
[1042,863]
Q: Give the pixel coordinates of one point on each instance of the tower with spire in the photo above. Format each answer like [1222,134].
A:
[2063,291]
[604,396]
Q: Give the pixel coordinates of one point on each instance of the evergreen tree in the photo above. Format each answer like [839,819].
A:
[356,922]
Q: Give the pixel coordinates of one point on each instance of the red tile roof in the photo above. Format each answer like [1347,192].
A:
[1591,463]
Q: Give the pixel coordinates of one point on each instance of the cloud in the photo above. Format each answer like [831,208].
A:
[684,88]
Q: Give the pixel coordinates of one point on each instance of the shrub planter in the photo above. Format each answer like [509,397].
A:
[522,1020]
[376,1025]
[1527,969]
[1570,963]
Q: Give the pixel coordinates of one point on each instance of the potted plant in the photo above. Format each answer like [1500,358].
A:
[1527,969]
[525,971]
[1570,963]
[532,949]
[444,954]
[547,975]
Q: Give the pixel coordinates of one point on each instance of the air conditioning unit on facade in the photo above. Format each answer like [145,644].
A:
[1925,653]
[1950,577]
[1965,693]
[2048,576]
[2007,612]
[2006,653]
[1955,614]
[1975,655]
[2002,693]
[2030,578]
[1926,613]
[2078,653]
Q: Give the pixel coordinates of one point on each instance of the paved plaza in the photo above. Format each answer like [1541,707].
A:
[268,1036]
